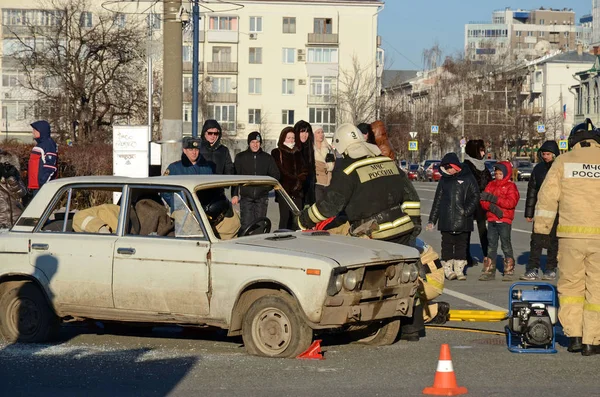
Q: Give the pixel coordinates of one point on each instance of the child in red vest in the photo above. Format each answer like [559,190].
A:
[499,199]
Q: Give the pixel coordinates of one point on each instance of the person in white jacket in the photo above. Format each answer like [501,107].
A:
[324,162]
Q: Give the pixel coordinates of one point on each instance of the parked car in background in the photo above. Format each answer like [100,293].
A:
[432,173]
[403,165]
[489,164]
[427,163]
[524,170]
[415,173]
[157,256]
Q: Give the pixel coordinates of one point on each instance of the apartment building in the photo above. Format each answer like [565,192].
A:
[263,65]
[521,34]
[585,31]
[269,64]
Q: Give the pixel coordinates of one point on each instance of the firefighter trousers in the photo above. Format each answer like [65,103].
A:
[579,288]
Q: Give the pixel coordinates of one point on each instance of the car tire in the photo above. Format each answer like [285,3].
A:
[381,334]
[274,326]
[25,315]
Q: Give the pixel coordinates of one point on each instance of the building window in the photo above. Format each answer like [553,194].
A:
[518,33]
[85,19]
[254,86]
[224,114]
[529,33]
[187,112]
[10,79]
[287,117]
[221,54]
[566,34]
[255,24]
[288,55]
[120,20]
[255,55]
[287,86]
[541,34]
[186,53]
[322,55]
[323,86]
[253,116]
[289,25]
[323,25]
[222,85]
[223,23]
[324,117]
[154,21]
[187,83]
[542,21]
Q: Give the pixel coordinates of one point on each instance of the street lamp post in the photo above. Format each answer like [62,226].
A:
[196,38]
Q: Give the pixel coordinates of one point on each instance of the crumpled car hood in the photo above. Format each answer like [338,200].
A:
[347,251]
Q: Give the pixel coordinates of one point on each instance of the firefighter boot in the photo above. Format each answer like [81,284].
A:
[509,269]
[489,270]
[448,271]
[459,269]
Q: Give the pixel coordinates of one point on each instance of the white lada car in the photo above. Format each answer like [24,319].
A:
[161,251]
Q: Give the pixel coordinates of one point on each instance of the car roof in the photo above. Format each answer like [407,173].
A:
[170,180]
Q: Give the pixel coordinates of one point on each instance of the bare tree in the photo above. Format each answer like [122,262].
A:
[357,93]
[84,73]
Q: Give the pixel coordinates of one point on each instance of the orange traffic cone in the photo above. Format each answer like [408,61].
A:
[444,383]
[313,352]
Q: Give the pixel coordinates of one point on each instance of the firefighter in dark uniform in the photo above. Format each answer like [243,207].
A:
[370,189]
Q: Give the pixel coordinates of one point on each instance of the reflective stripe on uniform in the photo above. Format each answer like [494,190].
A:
[435,283]
[591,307]
[578,229]
[545,213]
[388,229]
[300,225]
[315,215]
[373,160]
[571,300]
[412,208]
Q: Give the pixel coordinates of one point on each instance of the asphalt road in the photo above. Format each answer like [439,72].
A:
[169,361]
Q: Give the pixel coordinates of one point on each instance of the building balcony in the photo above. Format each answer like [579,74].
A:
[187,66]
[323,38]
[188,36]
[222,36]
[222,97]
[222,67]
[321,100]
[536,88]
[533,111]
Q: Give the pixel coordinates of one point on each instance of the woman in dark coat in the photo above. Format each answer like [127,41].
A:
[305,139]
[294,172]
[475,160]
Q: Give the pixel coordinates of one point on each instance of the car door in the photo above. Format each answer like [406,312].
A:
[162,274]
[77,265]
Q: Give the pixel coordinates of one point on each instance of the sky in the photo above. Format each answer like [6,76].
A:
[409,27]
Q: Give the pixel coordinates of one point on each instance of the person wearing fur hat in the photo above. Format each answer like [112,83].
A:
[12,189]
[324,162]
[214,152]
[43,160]
[294,171]
[475,160]
[254,161]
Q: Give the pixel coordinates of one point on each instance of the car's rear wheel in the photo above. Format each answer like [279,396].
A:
[25,315]
[274,327]
[380,334]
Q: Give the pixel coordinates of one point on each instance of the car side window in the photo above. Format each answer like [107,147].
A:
[161,212]
[83,209]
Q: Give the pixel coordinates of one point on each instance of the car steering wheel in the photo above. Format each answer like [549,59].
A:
[259,226]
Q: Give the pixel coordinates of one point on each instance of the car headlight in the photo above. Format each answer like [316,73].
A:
[339,280]
[406,273]
[350,280]
[414,271]
[335,284]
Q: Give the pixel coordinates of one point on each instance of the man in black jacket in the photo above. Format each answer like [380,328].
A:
[254,161]
[546,154]
[215,154]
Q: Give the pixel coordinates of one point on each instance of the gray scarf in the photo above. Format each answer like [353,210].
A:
[479,164]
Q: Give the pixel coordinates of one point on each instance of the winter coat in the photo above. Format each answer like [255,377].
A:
[456,198]
[259,163]
[43,159]
[477,164]
[308,154]
[12,190]
[571,189]
[323,167]
[537,177]
[506,196]
[216,155]
[185,167]
[292,167]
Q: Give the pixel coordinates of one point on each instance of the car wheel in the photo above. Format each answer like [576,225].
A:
[381,334]
[25,315]
[274,327]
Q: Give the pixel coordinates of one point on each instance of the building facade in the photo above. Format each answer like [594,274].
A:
[521,34]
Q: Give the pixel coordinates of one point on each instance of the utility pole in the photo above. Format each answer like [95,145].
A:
[196,35]
[462,97]
[150,83]
[172,130]
[562,116]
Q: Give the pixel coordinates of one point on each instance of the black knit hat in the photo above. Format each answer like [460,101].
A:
[254,135]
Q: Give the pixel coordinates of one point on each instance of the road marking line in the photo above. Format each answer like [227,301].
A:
[473,300]
[522,231]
